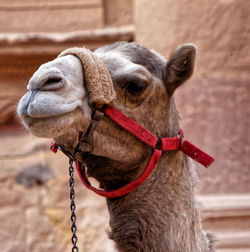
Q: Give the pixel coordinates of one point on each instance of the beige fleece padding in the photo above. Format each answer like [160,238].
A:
[98,81]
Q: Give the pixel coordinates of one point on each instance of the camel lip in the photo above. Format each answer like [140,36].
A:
[31,122]
[40,118]
[31,110]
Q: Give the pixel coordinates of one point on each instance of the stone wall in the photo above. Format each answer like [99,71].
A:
[34,33]
[118,12]
[50,16]
[215,103]
[34,206]
[63,16]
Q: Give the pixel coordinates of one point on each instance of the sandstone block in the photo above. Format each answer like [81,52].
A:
[50,16]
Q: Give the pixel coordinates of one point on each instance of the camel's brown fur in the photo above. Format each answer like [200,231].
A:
[161,214]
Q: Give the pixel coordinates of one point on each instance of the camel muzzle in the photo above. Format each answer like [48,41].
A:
[96,77]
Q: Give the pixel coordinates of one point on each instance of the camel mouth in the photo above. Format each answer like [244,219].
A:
[30,120]
[51,126]
[29,116]
[37,105]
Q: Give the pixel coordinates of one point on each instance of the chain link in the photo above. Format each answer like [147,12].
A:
[72,206]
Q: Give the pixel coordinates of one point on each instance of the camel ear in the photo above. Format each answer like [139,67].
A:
[179,67]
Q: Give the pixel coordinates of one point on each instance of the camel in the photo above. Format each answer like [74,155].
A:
[161,214]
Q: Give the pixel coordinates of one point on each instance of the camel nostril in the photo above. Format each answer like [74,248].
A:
[52,83]
[53,80]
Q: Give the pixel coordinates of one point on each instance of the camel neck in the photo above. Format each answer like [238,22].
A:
[160,215]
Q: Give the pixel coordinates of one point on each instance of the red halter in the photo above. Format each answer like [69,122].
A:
[158,145]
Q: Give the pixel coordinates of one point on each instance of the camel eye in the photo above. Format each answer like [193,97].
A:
[135,87]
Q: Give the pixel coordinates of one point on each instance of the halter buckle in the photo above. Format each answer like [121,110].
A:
[181,136]
[158,143]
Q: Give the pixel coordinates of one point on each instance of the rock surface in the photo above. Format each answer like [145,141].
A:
[50,16]
[36,216]
[214,110]
[214,104]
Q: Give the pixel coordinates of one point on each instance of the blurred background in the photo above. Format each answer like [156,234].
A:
[214,107]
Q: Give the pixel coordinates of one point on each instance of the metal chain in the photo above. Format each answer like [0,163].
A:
[72,206]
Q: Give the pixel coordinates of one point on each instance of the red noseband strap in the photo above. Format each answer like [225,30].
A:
[158,145]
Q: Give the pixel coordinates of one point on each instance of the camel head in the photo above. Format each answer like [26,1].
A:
[57,103]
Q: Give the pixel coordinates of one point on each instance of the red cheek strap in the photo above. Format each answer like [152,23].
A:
[158,145]
[196,154]
[167,144]
[81,170]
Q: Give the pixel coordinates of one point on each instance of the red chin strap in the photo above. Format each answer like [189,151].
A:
[158,145]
